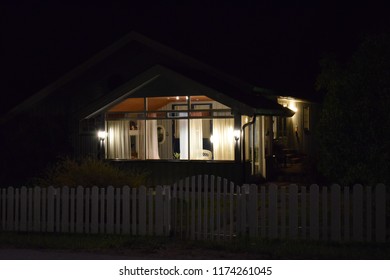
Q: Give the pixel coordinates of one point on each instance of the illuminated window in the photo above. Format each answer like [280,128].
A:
[194,127]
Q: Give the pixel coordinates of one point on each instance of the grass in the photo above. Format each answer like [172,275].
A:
[239,248]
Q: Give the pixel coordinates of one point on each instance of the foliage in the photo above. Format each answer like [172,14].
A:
[90,172]
[29,144]
[354,130]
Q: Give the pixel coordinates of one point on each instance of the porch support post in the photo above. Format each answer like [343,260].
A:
[269,149]
[270,135]
[238,144]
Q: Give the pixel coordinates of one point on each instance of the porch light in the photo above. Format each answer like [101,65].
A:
[236,134]
[102,134]
[292,106]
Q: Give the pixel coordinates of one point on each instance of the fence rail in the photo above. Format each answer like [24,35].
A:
[202,207]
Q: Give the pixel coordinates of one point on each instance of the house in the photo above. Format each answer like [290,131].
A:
[141,104]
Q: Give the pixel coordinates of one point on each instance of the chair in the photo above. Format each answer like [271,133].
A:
[207,155]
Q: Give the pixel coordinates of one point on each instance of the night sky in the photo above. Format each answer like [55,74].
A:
[276,47]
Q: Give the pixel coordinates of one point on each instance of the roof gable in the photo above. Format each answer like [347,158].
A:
[140,58]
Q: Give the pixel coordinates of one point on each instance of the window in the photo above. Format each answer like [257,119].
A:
[194,128]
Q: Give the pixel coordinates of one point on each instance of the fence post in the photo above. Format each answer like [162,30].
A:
[17,209]
[252,211]
[167,210]
[347,212]
[218,221]
[87,216]
[335,213]
[324,193]
[117,219]
[134,211]
[303,213]
[358,213]
[95,209]
[79,209]
[37,209]
[150,212]
[369,213]
[65,209]
[231,212]
[187,210]
[205,206]
[199,205]
[175,205]
[243,209]
[380,213]
[273,211]
[43,210]
[314,212]
[159,213]
[142,210]
[181,210]
[225,208]
[212,220]
[126,210]
[72,202]
[10,209]
[263,213]
[193,191]
[3,197]
[110,210]
[283,212]
[293,211]
[50,209]
[23,209]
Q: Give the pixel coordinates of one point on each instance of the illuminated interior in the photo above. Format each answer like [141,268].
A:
[171,127]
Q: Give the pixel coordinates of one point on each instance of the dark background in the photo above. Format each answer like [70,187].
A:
[272,44]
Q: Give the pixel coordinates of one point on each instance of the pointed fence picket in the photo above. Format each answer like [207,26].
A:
[202,207]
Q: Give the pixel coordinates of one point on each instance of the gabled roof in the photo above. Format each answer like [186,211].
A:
[173,63]
[139,86]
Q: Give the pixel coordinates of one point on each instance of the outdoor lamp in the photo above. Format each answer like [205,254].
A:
[236,134]
[102,134]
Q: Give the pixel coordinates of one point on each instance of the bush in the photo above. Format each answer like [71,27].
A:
[90,172]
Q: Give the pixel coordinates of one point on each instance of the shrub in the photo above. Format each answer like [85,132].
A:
[90,172]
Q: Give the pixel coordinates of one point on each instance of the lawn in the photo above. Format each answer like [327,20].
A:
[157,248]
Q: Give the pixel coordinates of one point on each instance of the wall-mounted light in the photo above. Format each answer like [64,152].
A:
[102,134]
[237,134]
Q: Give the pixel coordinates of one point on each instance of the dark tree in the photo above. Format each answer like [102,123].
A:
[354,131]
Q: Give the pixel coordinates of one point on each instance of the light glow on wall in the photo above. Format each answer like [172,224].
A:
[292,106]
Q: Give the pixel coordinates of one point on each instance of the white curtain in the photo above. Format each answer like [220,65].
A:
[196,138]
[183,134]
[148,140]
[223,139]
[118,146]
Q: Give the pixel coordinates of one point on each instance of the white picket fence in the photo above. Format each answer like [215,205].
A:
[109,210]
[202,207]
[218,209]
